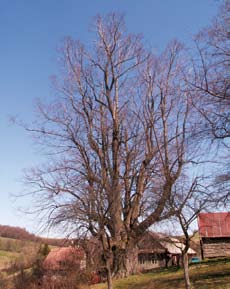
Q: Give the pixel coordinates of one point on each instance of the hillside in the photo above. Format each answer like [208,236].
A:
[19,248]
[17,233]
[23,235]
[15,253]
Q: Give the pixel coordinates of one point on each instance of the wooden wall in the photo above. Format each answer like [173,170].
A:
[216,247]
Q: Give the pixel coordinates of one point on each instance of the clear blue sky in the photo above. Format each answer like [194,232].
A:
[31,31]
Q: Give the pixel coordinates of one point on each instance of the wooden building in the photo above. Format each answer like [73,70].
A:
[214,231]
[158,250]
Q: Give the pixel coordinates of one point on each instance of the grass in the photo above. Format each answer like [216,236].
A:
[10,255]
[16,251]
[6,258]
[15,245]
[210,275]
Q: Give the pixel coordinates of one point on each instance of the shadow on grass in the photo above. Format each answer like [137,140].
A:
[200,279]
[212,274]
[205,275]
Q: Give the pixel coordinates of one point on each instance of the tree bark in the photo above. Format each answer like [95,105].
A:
[186,270]
[132,260]
[125,260]
[109,275]
[119,263]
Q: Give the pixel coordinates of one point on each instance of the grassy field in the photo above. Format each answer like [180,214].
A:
[7,257]
[210,275]
[12,250]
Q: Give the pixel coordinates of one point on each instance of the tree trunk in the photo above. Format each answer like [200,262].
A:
[119,267]
[186,270]
[125,260]
[132,260]
[109,275]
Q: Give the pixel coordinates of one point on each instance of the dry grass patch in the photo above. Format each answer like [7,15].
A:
[6,258]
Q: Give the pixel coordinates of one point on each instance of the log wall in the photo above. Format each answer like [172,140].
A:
[216,247]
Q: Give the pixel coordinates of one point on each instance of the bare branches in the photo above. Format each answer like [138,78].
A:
[211,74]
[122,128]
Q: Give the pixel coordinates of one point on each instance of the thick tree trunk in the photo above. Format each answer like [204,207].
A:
[186,270]
[125,261]
[119,266]
[132,260]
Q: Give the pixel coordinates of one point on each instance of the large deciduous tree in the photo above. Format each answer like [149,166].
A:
[119,131]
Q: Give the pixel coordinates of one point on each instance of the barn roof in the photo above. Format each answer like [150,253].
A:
[152,242]
[214,225]
[63,256]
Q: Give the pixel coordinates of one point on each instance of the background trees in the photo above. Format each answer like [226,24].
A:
[212,78]
[211,84]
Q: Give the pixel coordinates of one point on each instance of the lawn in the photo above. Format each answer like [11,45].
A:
[210,275]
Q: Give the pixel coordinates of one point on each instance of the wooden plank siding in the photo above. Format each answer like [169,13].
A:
[216,247]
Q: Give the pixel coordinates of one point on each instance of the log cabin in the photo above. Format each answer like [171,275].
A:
[214,231]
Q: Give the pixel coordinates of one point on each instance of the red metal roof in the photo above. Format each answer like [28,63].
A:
[213,225]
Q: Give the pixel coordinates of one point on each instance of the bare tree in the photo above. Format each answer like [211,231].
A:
[120,133]
[187,202]
[212,74]
[211,86]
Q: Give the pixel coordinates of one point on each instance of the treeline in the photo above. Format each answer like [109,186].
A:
[22,234]
[17,233]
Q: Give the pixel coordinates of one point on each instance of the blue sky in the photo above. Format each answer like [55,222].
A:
[31,31]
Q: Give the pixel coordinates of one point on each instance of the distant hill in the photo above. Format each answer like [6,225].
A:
[17,233]
[22,234]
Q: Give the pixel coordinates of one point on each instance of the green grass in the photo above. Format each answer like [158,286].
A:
[213,275]
[8,255]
